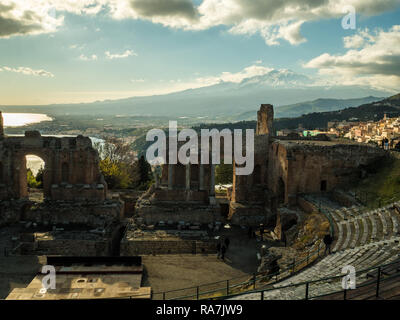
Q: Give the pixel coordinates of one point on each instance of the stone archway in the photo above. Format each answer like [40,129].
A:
[21,169]
[71,170]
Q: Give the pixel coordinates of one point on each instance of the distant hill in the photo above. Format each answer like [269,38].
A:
[318,105]
[223,101]
[315,120]
[366,112]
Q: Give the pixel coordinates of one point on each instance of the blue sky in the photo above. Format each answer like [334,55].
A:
[59,54]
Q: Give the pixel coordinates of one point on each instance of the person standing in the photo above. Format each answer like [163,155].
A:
[328,241]
[218,249]
[227,242]
[250,233]
[223,250]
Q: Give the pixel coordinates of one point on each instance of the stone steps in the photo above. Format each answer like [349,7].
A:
[363,239]
[363,257]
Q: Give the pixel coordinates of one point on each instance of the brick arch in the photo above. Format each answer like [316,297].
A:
[20,171]
[83,179]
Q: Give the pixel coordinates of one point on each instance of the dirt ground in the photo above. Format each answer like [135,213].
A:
[170,272]
[162,272]
[17,272]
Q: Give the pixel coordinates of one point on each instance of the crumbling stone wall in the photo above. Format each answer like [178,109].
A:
[153,212]
[68,247]
[316,166]
[1,126]
[139,247]
[71,167]
[64,212]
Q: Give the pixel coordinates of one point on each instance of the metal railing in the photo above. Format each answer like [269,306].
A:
[240,284]
[375,284]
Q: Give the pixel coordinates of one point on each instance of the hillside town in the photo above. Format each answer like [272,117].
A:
[385,132]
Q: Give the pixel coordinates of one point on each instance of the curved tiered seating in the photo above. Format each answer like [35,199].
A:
[363,239]
[357,228]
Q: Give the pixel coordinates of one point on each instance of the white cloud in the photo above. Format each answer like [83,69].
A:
[274,20]
[137,80]
[76,46]
[41,16]
[125,54]
[359,39]
[372,59]
[28,71]
[93,57]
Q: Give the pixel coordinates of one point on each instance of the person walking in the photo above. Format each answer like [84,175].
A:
[328,241]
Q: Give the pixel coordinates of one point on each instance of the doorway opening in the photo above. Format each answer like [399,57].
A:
[35,167]
[324,185]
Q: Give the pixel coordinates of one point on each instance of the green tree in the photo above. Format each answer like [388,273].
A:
[39,177]
[31,180]
[119,168]
[224,173]
[141,174]
[116,174]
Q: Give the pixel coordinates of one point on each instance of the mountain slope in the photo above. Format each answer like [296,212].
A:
[367,112]
[225,100]
[318,105]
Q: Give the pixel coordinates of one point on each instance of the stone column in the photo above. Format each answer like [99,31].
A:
[201,177]
[170,176]
[187,177]
[1,126]
[156,181]
[212,199]
[212,181]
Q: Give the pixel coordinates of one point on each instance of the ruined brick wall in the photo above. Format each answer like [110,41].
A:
[1,126]
[66,247]
[250,188]
[70,247]
[315,166]
[10,212]
[139,247]
[152,213]
[62,212]
[71,167]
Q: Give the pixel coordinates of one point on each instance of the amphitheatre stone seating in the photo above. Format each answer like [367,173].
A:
[363,239]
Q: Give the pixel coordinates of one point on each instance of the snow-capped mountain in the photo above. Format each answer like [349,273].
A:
[278,87]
